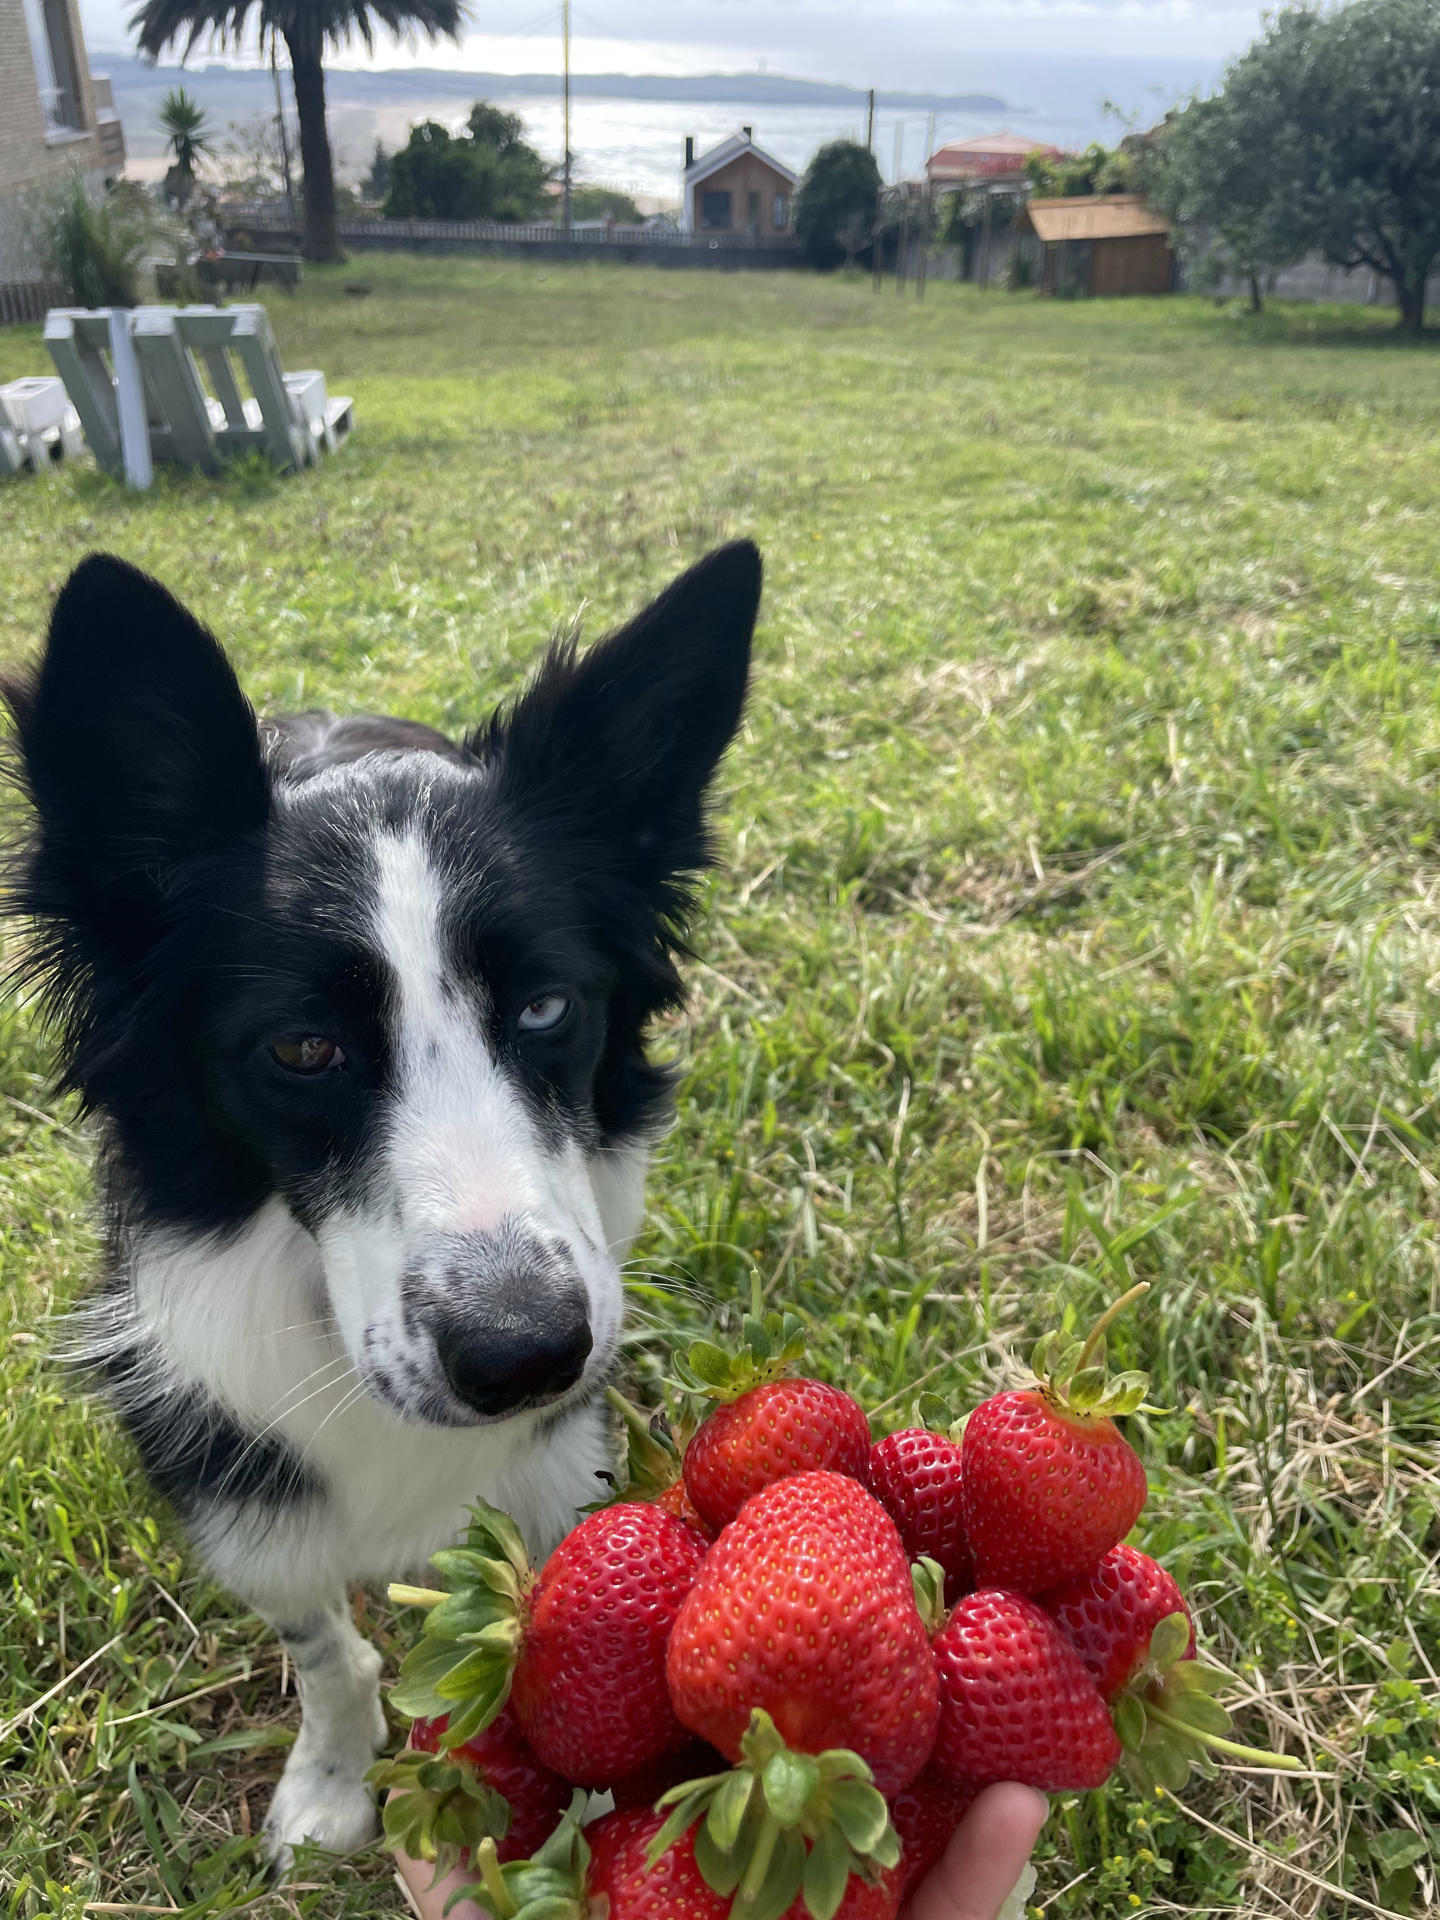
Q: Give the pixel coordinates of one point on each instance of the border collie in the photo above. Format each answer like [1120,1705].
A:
[361,1015]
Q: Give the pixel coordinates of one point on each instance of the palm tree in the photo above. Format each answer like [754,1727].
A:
[187,134]
[306,27]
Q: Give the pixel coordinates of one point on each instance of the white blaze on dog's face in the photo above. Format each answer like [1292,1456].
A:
[476,1275]
[399,987]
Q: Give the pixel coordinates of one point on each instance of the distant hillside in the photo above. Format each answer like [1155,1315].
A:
[236,90]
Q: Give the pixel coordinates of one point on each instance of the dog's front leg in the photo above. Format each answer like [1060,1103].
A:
[322,1794]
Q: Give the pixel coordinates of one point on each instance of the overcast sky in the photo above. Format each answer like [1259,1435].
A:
[913,44]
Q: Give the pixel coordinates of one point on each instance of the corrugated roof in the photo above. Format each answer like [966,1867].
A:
[1104,216]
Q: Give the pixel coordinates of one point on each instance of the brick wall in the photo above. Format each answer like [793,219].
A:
[28,156]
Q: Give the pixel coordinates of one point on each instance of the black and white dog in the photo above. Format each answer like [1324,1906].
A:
[362,1016]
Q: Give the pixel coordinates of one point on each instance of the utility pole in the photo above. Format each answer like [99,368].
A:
[870,122]
[565,200]
[284,137]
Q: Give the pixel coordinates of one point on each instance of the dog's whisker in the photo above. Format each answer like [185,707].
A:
[285,1408]
[343,1407]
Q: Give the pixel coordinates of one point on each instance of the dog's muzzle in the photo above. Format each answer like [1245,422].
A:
[508,1315]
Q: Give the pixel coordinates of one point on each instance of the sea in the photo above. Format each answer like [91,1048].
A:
[638,143]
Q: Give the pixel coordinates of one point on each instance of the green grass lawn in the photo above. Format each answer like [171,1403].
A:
[1079,921]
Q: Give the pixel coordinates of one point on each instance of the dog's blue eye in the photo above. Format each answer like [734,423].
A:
[308,1053]
[543,1014]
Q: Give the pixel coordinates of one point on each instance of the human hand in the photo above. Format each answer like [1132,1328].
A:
[987,1854]
[972,1880]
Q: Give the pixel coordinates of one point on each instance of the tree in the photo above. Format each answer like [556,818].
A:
[1098,169]
[375,184]
[841,181]
[189,138]
[486,173]
[307,28]
[249,161]
[1330,125]
[605,203]
[1211,170]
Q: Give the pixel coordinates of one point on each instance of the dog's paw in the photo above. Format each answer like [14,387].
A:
[322,1805]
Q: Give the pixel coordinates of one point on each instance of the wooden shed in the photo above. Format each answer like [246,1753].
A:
[738,188]
[1108,243]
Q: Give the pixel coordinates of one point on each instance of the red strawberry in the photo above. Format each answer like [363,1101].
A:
[612,1871]
[673,1889]
[804,1607]
[589,1685]
[578,1649]
[503,1760]
[915,1475]
[766,1426]
[925,1814]
[676,1499]
[1048,1485]
[1015,1700]
[785,1427]
[1109,1615]
[620,1872]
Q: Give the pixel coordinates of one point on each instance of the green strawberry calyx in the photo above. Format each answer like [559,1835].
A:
[461,1666]
[653,1451]
[782,1824]
[1072,1373]
[928,1579]
[441,1806]
[1168,1717]
[550,1885]
[769,1347]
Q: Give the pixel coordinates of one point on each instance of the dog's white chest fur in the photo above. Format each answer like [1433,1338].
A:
[248,1323]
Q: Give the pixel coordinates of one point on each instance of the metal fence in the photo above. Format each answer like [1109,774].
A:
[26,302]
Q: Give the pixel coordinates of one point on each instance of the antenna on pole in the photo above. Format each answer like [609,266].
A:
[565,33]
[870,122]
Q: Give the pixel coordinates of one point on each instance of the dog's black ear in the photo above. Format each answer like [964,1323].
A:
[137,747]
[615,747]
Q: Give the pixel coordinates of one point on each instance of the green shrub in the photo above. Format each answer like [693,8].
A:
[95,246]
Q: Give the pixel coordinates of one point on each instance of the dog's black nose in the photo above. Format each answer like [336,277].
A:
[531,1353]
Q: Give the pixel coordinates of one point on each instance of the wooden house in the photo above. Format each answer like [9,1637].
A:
[1109,243]
[739,189]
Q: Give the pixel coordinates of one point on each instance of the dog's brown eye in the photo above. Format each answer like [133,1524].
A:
[308,1053]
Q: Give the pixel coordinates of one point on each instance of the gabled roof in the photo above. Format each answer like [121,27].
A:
[987,153]
[1005,142]
[1101,216]
[707,163]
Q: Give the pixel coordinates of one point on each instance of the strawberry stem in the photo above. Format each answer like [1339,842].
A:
[1256,1756]
[1097,1332]
[402,1596]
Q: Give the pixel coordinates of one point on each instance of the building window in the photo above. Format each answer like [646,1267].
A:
[56,69]
[752,209]
[781,211]
[715,210]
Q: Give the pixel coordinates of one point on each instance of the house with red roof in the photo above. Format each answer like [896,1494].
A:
[990,156]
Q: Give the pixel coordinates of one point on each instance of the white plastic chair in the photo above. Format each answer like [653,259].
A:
[289,417]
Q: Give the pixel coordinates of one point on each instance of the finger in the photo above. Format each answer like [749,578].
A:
[986,1856]
[429,1900]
